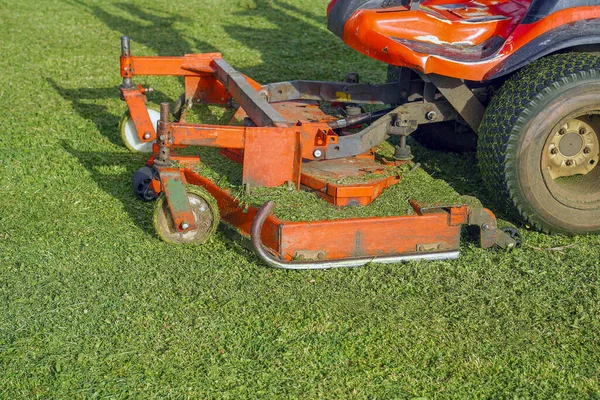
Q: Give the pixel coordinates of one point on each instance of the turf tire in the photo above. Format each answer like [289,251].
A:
[516,126]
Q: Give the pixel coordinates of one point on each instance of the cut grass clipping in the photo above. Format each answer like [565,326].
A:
[300,205]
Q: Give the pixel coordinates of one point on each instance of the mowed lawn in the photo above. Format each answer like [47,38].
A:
[93,304]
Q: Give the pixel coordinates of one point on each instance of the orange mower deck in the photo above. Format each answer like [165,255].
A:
[287,140]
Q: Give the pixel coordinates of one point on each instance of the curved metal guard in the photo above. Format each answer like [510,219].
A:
[264,255]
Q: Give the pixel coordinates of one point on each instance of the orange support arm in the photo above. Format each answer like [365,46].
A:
[188,65]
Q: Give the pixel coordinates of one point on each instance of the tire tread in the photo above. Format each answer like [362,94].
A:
[508,114]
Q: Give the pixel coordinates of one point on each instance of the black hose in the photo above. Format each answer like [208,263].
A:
[360,119]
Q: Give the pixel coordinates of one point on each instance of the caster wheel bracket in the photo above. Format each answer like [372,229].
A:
[490,234]
[177,197]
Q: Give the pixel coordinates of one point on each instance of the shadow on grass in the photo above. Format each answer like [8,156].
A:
[102,166]
[150,27]
[461,172]
[296,43]
[83,101]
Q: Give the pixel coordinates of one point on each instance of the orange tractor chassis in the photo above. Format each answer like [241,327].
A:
[287,140]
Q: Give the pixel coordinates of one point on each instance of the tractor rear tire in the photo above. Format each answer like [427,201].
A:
[538,144]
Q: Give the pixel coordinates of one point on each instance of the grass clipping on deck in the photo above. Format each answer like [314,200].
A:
[301,205]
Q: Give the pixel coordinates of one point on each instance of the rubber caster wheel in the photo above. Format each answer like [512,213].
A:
[141,180]
[129,134]
[514,234]
[206,216]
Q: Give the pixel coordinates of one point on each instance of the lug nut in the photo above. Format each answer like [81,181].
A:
[185,226]
[146,136]
[562,131]
[431,116]
[569,163]
[587,150]
[317,153]
[582,131]
[554,151]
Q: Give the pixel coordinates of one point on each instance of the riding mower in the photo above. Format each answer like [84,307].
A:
[518,78]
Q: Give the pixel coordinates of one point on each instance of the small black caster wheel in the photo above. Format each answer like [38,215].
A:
[514,234]
[141,180]
[206,216]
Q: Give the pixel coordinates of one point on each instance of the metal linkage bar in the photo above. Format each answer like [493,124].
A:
[378,131]
[363,93]
[257,107]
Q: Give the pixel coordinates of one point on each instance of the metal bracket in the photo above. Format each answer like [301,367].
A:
[488,227]
[347,92]
[461,97]
[377,132]
[177,198]
[257,107]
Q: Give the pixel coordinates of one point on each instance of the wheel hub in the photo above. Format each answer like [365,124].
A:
[573,150]
[570,145]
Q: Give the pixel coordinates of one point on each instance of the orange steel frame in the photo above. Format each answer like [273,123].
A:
[271,156]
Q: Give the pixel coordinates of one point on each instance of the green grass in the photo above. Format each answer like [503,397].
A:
[300,205]
[92,304]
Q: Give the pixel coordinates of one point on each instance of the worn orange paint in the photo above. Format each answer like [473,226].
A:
[231,137]
[205,89]
[170,177]
[271,157]
[136,102]
[370,237]
[344,195]
[342,239]
[190,64]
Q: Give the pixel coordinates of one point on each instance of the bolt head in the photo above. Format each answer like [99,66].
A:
[146,136]
[554,151]
[587,150]
[317,153]
[569,163]
[162,137]
[185,226]
[562,131]
[431,116]
[485,227]
[582,131]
